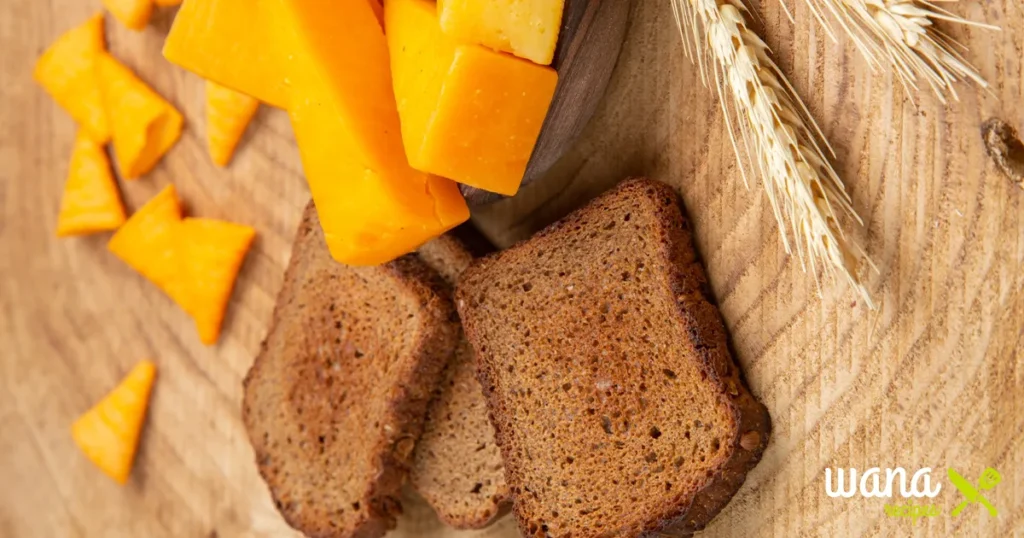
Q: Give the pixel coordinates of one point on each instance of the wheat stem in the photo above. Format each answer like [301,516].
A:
[777,134]
[902,35]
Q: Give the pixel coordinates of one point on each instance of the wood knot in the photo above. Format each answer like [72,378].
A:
[1005,149]
[750,440]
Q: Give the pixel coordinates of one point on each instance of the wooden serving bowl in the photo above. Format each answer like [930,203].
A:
[588,48]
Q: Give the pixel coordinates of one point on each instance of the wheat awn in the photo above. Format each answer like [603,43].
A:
[777,134]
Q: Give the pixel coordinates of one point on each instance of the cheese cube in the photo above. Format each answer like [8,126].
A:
[526,28]
[468,113]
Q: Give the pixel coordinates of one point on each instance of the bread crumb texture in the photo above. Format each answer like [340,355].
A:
[617,406]
[336,398]
[457,465]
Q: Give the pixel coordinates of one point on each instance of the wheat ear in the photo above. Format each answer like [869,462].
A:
[777,133]
[901,35]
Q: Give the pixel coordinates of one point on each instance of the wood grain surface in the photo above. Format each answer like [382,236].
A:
[933,378]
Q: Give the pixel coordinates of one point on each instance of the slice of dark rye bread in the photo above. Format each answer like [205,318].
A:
[617,406]
[457,465]
[336,398]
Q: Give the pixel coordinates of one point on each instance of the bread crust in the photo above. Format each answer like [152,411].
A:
[707,342]
[298,370]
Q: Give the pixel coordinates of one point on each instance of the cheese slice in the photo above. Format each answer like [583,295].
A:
[229,42]
[467,112]
[527,28]
[373,206]
[378,10]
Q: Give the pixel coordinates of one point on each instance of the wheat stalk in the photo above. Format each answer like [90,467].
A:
[901,34]
[777,133]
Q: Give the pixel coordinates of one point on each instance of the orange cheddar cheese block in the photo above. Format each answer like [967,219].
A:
[373,206]
[527,28]
[108,434]
[143,125]
[147,243]
[230,42]
[66,71]
[228,113]
[378,10]
[133,14]
[467,112]
[91,201]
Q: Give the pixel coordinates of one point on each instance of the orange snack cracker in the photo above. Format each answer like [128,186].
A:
[228,113]
[133,14]
[143,125]
[211,253]
[66,71]
[91,201]
[146,241]
[109,433]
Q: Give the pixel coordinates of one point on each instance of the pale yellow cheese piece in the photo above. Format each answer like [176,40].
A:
[526,28]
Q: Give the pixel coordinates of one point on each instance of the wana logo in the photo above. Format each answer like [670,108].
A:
[888,483]
[871,483]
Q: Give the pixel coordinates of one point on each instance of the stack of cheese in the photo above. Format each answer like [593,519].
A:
[457,89]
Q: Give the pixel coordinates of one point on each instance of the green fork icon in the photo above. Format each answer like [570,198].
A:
[988,480]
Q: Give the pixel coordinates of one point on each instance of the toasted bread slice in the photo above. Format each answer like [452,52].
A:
[457,465]
[617,406]
[335,401]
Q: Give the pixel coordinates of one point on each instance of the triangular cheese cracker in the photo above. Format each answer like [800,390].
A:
[91,202]
[143,125]
[66,71]
[147,243]
[228,113]
[108,433]
[133,14]
[211,253]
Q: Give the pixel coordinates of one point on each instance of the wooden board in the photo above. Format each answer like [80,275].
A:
[934,378]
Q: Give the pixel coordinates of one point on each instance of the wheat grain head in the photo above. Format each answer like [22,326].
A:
[901,35]
[777,134]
